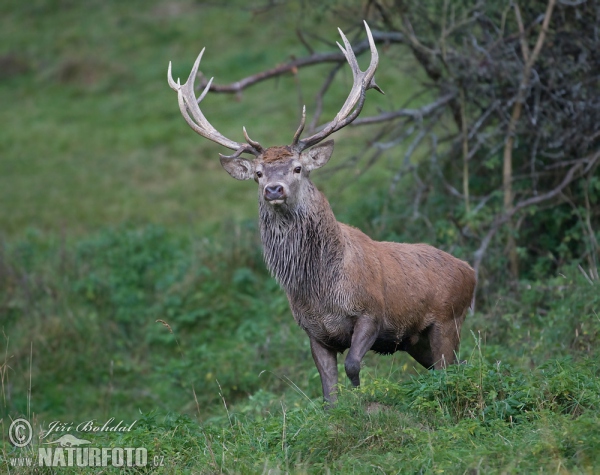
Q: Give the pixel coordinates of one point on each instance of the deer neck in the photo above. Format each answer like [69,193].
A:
[302,244]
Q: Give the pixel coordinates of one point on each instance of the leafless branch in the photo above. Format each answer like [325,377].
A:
[414,113]
[295,64]
[522,38]
[300,36]
[505,217]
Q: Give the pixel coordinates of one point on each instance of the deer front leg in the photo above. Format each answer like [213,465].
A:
[326,362]
[364,335]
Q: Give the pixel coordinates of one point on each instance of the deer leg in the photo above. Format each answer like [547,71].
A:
[326,362]
[364,335]
[444,339]
[421,350]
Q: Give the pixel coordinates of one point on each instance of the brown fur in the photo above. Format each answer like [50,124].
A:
[275,154]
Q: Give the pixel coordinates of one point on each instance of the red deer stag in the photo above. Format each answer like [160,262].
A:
[345,290]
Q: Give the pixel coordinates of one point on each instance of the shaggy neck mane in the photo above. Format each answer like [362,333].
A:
[302,245]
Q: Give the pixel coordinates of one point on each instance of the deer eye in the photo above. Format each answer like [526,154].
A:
[297,169]
[258,174]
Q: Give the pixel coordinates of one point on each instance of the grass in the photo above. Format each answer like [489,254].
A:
[95,133]
[224,381]
[132,284]
[446,422]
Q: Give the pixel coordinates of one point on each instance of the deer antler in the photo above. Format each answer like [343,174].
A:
[188,104]
[363,81]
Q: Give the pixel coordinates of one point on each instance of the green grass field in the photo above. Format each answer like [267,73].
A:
[93,135]
[114,214]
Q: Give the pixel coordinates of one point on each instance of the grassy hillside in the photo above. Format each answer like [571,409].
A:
[93,135]
[194,341]
[132,284]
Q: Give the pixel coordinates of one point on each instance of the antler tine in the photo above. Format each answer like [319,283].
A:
[188,105]
[172,84]
[206,89]
[374,60]
[254,143]
[300,127]
[348,53]
[363,81]
[237,153]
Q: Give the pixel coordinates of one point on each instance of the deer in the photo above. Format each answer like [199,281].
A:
[345,290]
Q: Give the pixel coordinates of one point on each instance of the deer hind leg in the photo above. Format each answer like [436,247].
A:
[444,339]
[420,348]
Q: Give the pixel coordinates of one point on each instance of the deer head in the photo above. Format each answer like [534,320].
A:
[281,171]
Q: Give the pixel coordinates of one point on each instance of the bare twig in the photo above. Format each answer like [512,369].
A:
[524,45]
[308,47]
[414,113]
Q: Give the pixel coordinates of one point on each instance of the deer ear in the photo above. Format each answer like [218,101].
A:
[318,155]
[238,168]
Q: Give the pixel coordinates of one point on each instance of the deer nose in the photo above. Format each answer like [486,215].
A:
[274,192]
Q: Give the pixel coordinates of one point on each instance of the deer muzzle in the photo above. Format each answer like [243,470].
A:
[275,193]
